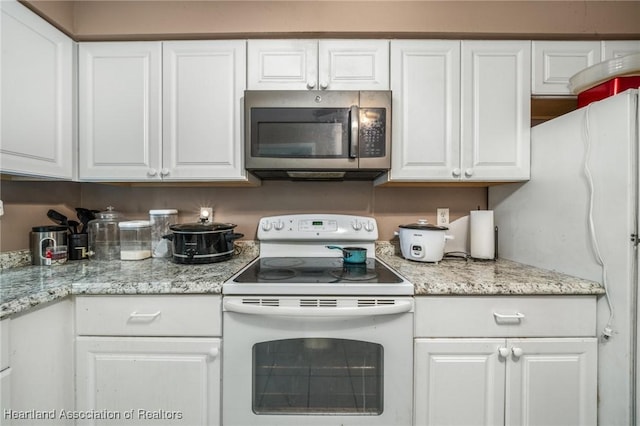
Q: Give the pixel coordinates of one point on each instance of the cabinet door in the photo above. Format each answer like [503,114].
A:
[496,110]
[353,64]
[203,86]
[554,62]
[169,381]
[41,344]
[616,48]
[120,111]
[552,382]
[282,64]
[458,382]
[37,93]
[426,109]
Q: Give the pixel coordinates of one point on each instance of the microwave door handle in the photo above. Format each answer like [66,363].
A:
[355,131]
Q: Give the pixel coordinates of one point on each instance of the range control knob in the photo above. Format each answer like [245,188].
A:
[369,226]
[279,225]
[356,225]
[266,226]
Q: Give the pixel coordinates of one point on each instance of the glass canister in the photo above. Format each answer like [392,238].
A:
[135,239]
[104,235]
[160,222]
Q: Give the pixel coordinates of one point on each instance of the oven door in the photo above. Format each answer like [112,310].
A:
[308,361]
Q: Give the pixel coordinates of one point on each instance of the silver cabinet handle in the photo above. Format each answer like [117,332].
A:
[511,318]
[148,317]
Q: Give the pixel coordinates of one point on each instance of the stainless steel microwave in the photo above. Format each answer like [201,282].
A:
[317,135]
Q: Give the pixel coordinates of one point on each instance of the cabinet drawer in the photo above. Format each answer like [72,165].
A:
[157,315]
[505,316]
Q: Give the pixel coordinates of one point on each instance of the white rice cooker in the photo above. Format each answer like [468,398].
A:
[423,241]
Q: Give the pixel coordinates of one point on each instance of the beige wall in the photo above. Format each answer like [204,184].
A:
[26,203]
[101,20]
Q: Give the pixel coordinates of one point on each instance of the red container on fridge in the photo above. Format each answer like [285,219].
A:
[606,79]
[608,88]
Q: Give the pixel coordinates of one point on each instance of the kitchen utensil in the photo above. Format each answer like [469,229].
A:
[85,216]
[135,239]
[203,242]
[73,226]
[423,241]
[48,245]
[351,254]
[104,235]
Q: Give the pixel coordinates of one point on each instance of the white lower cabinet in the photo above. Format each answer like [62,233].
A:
[5,372]
[148,360]
[476,380]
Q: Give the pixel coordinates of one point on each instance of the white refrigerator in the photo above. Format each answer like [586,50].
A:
[579,215]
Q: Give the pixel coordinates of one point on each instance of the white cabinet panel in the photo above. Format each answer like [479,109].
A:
[615,48]
[553,382]
[176,378]
[282,64]
[37,96]
[313,64]
[5,396]
[554,62]
[203,85]
[426,109]
[353,64]
[496,110]
[119,110]
[458,382]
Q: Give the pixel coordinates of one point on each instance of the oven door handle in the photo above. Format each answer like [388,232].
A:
[298,311]
[354,136]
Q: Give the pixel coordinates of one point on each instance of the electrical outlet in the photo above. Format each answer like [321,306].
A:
[206,213]
[442,217]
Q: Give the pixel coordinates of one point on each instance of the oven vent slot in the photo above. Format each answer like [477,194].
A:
[261,302]
[318,303]
[375,302]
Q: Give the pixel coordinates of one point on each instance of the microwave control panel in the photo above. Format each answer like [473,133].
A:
[372,132]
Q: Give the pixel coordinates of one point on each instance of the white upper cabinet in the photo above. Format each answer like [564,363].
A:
[119,111]
[313,64]
[37,96]
[162,111]
[426,109]
[203,86]
[496,111]
[461,111]
[555,62]
[616,48]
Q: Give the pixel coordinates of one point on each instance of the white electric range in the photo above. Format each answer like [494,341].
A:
[310,339]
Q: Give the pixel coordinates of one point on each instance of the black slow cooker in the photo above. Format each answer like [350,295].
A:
[203,242]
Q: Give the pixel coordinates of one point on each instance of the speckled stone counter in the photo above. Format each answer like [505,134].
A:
[457,276]
[24,287]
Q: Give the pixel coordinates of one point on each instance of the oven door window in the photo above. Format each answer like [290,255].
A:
[300,132]
[317,376]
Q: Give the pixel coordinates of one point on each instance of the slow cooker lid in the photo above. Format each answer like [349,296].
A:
[201,227]
[423,225]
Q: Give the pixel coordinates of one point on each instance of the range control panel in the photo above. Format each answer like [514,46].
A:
[312,227]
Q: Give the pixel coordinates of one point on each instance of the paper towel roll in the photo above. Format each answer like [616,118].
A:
[482,236]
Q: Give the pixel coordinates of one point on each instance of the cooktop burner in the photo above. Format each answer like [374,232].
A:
[313,270]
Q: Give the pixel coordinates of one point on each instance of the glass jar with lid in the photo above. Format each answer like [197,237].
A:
[135,239]
[104,235]
[160,221]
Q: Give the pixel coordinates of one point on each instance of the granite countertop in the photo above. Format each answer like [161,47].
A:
[25,287]
[458,276]
[22,288]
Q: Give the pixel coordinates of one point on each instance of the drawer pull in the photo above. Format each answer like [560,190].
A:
[144,317]
[511,318]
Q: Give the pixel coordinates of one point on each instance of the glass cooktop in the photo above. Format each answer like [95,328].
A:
[313,270]
[316,276]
